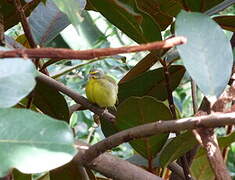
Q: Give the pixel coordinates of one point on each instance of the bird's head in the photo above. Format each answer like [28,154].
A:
[96,74]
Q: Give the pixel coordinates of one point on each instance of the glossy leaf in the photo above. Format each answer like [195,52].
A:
[20,176]
[34,142]
[151,83]
[204,56]
[161,11]
[141,161]
[68,171]
[46,22]
[226,22]
[137,111]
[124,14]
[17,80]
[50,101]
[201,5]
[177,147]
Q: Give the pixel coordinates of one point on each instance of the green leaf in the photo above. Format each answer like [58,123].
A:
[177,147]
[69,171]
[141,161]
[204,56]
[17,80]
[46,22]
[200,168]
[138,25]
[201,5]
[17,175]
[138,111]
[226,22]
[151,83]
[72,9]
[32,142]
[50,101]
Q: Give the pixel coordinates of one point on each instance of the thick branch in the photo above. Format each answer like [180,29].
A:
[76,97]
[150,129]
[92,53]
[113,167]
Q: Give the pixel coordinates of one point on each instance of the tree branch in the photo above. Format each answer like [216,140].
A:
[113,167]
[24,23]
[92,53]
[150,129]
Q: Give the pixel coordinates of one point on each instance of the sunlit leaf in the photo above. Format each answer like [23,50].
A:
[34,142]
[17,80]
[207,59]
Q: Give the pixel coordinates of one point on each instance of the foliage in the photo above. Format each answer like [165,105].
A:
[39,124]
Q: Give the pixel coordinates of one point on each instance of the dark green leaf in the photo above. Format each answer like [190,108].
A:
[201,5]
[151,83]
[17,79]
[204,56]
[177,147]
[226,22]
[137,111]
[50,101]
[34,142]
[17,175]
[69,171]
[141,161]
[125,15]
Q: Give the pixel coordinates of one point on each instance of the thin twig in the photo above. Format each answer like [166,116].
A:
[92,53]
[2,43]
[24,23]
[194,95]
[183,159]
[76,97]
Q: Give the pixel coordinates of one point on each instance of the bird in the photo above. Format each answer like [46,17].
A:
[101,89]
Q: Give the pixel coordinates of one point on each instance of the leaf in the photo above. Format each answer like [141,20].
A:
[226,22]
[200,167]
[143,65]
[50,101]
[20,176]
[68,171]
[161,11]
[17,80]
[204,56]
[46,22]
[151,83]
[34,142]
[124,14]
[177,147]
[141,161]
[137,111]
[72,9]
[201,5]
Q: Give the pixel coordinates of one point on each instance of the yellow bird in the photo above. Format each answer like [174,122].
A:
[101,89]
